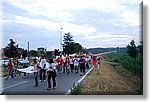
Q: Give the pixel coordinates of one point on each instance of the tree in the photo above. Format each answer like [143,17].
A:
[132,49]
[56,52]
[140,48]
[11,49]
[41,51]
[69,45]
[33,53]
[49,54]
[24,53]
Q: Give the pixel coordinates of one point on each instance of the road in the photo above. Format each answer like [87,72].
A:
[25,85]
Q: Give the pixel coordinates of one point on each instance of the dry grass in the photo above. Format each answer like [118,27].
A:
[106,80]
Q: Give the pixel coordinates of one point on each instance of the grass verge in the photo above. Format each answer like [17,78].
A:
[111,80]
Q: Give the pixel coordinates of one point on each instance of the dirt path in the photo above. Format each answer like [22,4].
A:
[111,80]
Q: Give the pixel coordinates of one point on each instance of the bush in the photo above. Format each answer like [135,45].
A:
[76,89]
[134,65]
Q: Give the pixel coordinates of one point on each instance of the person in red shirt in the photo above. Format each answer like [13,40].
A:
[60,64]
[10,70]
[94,61]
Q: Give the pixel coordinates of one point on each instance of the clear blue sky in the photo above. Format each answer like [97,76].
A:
[93,23]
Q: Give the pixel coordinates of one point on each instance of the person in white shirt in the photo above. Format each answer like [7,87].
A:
[51,74]
[76,64]
[43,69]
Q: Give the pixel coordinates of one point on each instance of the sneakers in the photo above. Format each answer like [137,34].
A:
[42,80]
[35,85]
[48,88]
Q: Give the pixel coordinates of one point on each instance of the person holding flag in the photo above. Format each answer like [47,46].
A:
[10,70]
[36,70]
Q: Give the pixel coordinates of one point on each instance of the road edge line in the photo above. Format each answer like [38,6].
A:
[14,85]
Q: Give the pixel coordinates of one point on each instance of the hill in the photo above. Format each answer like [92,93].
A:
[100,50]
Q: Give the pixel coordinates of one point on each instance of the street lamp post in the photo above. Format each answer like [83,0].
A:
[28,50]
[60,38]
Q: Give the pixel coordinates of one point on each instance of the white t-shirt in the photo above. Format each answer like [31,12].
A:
[64,58]
[76,62]
[51,67]
[42,63]
[71,61]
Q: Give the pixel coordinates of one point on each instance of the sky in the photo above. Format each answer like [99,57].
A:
[93,23]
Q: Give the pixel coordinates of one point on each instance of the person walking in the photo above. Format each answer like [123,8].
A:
[43,69]
[71,64]
[67,65]
[64,63]
[76,64]
[10,70]
[51,72]
[82,65]
[35,71]
[94,61]
[60,64]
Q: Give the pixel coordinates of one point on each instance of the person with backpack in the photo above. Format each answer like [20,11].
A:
[51,72]
[43,69]
[10,70]
[36,71]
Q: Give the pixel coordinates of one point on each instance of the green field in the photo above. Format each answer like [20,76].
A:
[134,65]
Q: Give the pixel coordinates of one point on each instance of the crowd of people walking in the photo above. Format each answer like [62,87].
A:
[49,69]
[58,66]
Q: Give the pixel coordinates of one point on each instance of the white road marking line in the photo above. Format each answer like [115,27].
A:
[68,92]
[14,85]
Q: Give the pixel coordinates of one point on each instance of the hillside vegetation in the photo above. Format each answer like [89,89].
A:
[134,65]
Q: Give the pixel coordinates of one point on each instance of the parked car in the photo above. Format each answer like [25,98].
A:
[23,62]
[4,62]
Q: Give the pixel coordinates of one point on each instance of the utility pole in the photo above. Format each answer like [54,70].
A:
[28,49]
[60,39]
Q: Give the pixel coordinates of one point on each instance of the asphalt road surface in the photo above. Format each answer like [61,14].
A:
[25,85]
